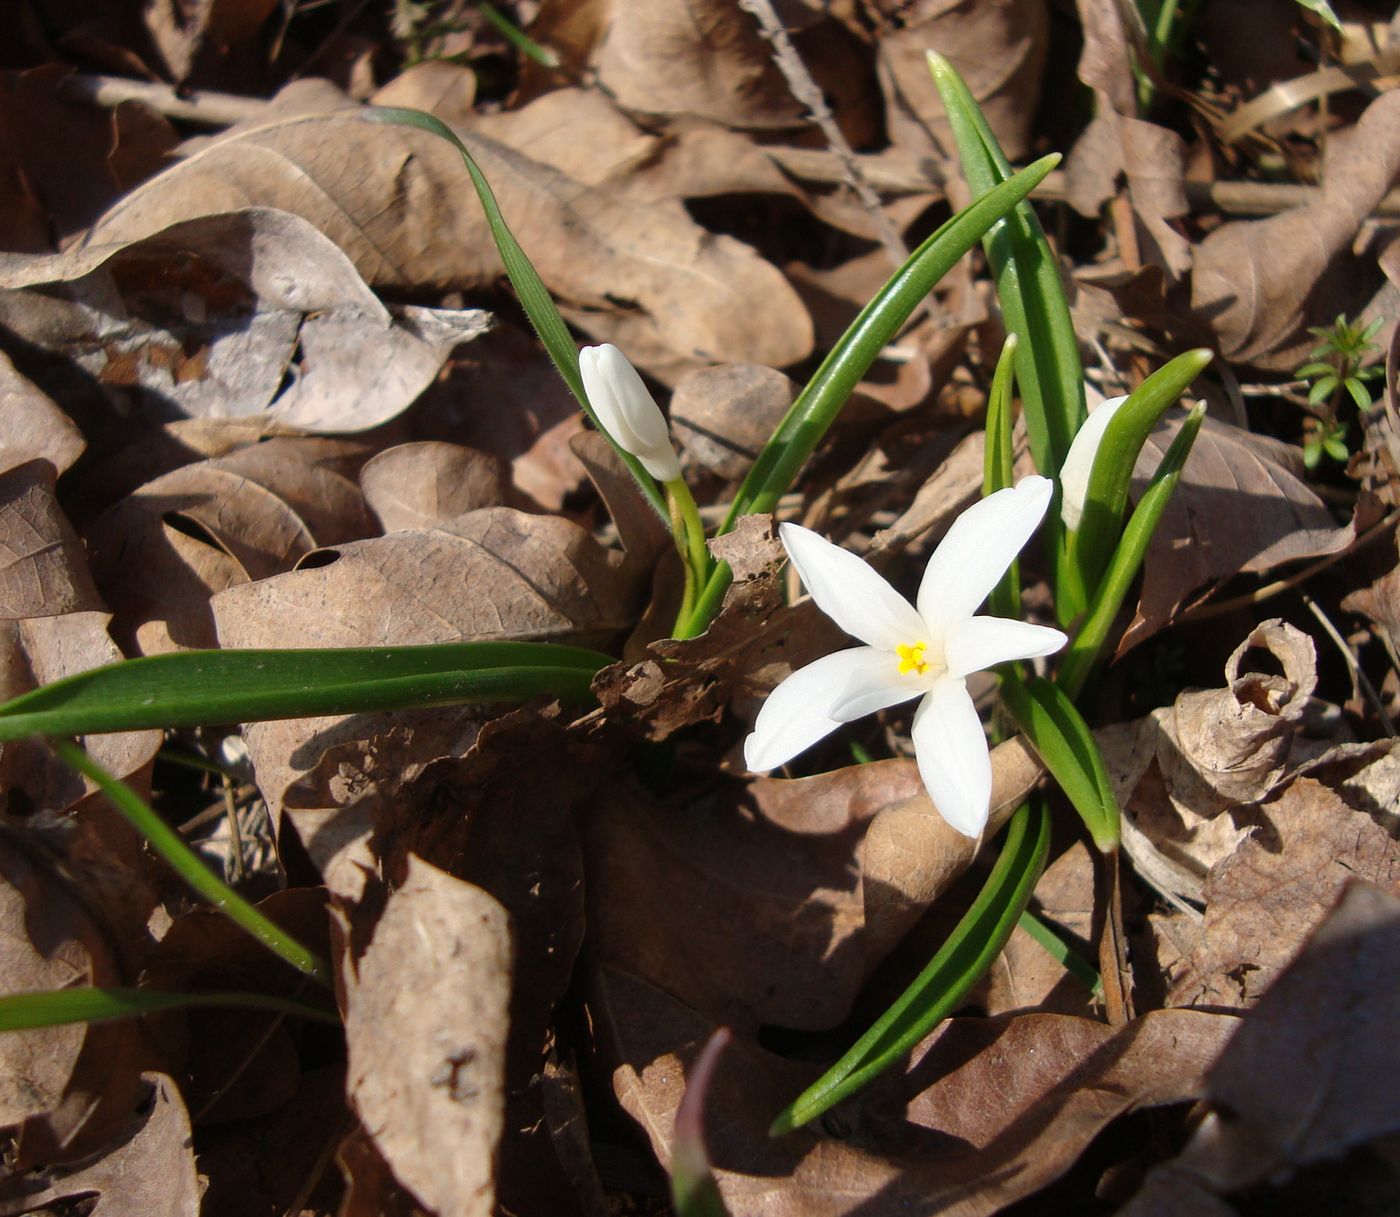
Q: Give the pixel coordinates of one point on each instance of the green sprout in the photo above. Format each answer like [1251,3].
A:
[1335,368]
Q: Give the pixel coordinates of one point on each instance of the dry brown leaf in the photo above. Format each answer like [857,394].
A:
[1241,507]
[149,1169]
[1117,143]
[43,569]
[32,427]
[402,217]
[999,48]
[643,534]
[185,37]
[723,415]
[1259,283]
[1266,897]
[252,312]
[426,1022]
[414,486]
[989,1111]
[1298,1084]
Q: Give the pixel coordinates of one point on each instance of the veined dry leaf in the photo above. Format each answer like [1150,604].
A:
[426,1022]
[988,1111]
[1274,890]
[999,48]
[230,314]
[1297,1085]
[43,569]
[414,486]
[32,427]
[397,201]
[148,1169]
[723,415]
[1241,507]
[1259,283]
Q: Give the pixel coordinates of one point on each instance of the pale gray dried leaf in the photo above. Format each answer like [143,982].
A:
[418,485]
[426,1018]
[1264,899]
[397,201]
[149,1170]
[32,427]
[1297,1085]
[43,569]
[230,314]
[1259,283]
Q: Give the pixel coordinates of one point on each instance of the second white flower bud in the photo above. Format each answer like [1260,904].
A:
[627,411]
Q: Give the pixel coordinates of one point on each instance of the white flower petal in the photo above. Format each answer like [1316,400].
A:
[850,593]
[983,642]
[797,713]
[626,409]
[1079,461]
[977,550]
[952,754]
[875,687]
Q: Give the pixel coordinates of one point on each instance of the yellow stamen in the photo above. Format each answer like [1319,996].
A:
[911,658]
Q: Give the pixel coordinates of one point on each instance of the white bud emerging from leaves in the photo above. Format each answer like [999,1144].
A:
[1079,462]
[626,411]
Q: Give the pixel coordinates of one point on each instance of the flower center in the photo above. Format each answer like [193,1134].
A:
[911,658]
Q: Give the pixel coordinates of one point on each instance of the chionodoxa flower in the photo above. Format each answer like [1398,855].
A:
[1079,461]
[910,652]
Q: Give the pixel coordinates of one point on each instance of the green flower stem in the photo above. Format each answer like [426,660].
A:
[949,976]
[171,847]
[999,468]
[689,530]
[88,1004]
[1084,649]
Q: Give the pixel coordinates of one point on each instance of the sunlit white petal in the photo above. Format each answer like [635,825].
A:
[952,754]
[1079,461]
[983,642]
[850,593]
[797,713]
[876,687]
[978,548]
[626,409]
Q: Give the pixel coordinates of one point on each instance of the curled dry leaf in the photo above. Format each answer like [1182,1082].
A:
[1241,507]
[987,1112]
[406,218]
[230,314]
[413,486]
[1274,890]
[149,1168]
[426,1021]
[1213,750]
[1297,1085]
[1259,283]
[999,48]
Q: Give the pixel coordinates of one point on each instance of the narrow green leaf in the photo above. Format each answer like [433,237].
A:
[1084,649]
[184,862]
[694,1192]
[1107,496]
[1062,739]
[817,406]
[1322,389]
[534,296]
[958,965]
[1360,394]
[25,1011]
[1032,295]
[999,469]
[517,37]
[1060,951]
[193,688]
[1309,370]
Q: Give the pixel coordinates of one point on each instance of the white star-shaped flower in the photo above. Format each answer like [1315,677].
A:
[911,652]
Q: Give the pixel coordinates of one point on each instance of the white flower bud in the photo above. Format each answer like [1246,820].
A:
[626,411]
[1079,462]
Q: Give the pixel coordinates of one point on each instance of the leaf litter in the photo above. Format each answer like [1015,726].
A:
[259,387]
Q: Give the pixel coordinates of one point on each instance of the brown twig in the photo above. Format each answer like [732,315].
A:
[805,89]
